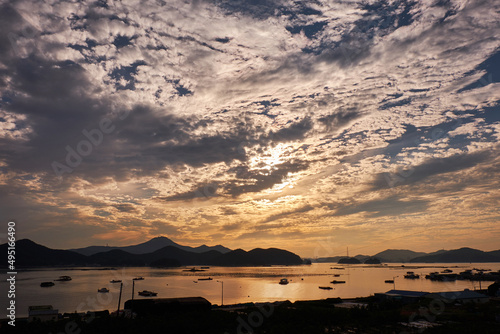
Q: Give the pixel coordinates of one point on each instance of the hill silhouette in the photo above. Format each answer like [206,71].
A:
[149,247]
[31,254]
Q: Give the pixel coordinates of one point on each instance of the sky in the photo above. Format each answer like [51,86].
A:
[311,126]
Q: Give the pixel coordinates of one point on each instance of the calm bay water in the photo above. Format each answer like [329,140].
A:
[241,284]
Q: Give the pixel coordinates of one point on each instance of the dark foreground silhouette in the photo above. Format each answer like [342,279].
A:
[366,315]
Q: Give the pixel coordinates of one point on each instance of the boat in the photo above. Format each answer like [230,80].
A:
[337,282]
[140,278]
[147,293]
[205,279]
[204,267]
[325,287]
[411,275]
[46,284]
[103,290]
[64,278]
[447,271]
[389,281]
[336,275]
[115,281]
[194,270]
[283,281]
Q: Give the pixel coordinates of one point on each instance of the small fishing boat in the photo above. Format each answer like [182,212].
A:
[46,284]
[283,281]
[205,279]
[337,282]
[325,287]
[411,275]
[64,278]
[147,293]
[116,281]
[447,271]
[389,281]
[140,278]
[336,275]
[194,270]
[103,290]
[204,267]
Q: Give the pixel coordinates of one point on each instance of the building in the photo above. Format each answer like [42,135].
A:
[403,296]
[465,296]
[159,306]
[42,313]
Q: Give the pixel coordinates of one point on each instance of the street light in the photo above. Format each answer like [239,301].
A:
[222,293]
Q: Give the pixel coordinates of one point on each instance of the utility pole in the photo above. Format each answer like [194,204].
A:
[119,300]
[132,303]
[222,293]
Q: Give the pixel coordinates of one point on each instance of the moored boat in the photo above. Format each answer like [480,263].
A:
[205,279]
[64,278]
[115,281]
[194,270]
[283,281]
[389,281]
[337,282]
[140,278]
[103,290]
[325,287]
[147,293]
[411,275]
[46,284]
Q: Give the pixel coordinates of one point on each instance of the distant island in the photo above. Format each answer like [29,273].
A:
[31,254]
[461,255]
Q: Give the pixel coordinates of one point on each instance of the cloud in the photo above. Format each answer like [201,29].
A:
[430,168]
[391,206]
[373,108]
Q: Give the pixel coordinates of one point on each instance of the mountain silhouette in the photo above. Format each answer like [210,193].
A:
[149,247]
[31,254]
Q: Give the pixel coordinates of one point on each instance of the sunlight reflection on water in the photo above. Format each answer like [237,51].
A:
[241,284]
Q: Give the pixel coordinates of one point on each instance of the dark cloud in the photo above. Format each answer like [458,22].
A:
[309,30]
[335,121]
[285,214]
[293,132]
[125,207]
[391,206]
[203,192]
[430,168]
[379,19]
[260,9]
[256,181]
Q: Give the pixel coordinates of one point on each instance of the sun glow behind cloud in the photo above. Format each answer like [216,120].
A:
[284,123]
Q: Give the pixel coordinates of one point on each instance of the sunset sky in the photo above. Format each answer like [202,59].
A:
[304,125]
